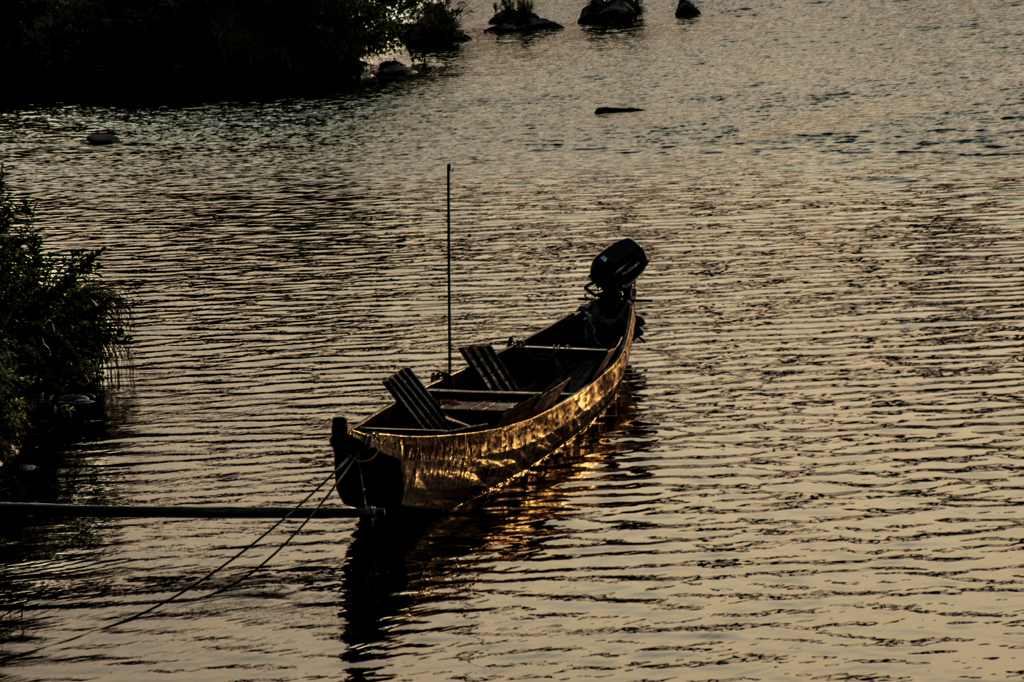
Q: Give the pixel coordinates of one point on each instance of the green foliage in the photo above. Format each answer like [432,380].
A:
[207,47]
[60,325]
[434,27]
[520,7]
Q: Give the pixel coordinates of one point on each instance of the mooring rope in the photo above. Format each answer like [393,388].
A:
[337,474]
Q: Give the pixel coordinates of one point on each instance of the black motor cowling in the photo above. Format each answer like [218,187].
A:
[618,266]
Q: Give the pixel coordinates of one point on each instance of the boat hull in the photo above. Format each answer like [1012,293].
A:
[441,471]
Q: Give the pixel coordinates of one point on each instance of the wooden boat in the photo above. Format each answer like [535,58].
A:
[441,445]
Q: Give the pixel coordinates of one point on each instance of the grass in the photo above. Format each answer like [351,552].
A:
[63,329]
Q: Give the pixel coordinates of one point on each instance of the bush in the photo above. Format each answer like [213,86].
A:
[61,327]
[520,7]
[435,27]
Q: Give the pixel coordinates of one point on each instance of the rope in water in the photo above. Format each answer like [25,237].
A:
[338,473]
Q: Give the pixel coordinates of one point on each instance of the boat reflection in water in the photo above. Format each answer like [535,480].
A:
[408,561]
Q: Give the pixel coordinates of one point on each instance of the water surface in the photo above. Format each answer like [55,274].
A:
[813,471]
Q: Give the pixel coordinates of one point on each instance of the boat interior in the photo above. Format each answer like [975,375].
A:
[528,377]
[503,387]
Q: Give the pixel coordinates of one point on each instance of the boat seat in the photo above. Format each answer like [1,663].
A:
[409,392]
[534,406]
[577,350]
[489,366]
[463,395]
[471,406]
[500,407]
[585,363]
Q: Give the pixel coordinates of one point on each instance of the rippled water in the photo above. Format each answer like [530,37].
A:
[813,472]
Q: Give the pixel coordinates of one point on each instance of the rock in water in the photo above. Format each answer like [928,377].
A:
[617,13]
[686,10]
[504,22]
[610,13]
[102,138]
[393,70]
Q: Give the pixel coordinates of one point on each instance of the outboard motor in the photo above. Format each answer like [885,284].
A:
[616,270]
[618,266]
[614,273]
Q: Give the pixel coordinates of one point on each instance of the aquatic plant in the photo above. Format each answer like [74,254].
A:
[62,328]
[523,8]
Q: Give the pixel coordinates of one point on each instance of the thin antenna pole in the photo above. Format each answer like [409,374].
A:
[449,205]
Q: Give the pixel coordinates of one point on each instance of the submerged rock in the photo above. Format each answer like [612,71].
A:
[80,404]
[393,70]
[102,138]
[686,10]
[76,399]
[510,21]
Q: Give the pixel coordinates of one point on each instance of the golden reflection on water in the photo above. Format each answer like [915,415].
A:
[428,558]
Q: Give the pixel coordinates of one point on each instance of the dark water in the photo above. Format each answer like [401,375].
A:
[814,472]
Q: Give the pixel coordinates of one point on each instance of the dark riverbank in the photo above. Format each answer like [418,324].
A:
[118,51]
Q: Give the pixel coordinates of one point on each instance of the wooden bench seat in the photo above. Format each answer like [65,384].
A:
[409,392]
[491,370]
[443,395]
[583,362]
[572,349]
[510,406]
